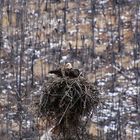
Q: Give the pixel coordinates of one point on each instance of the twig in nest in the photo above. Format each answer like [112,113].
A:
[67,100]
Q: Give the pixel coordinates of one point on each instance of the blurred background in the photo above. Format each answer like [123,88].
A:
[99,37]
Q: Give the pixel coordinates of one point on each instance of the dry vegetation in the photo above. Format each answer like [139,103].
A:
[35,41]
[66,101]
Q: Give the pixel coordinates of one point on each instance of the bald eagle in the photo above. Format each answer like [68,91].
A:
[67,71]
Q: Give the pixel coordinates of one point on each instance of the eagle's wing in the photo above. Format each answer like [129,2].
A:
[57,72]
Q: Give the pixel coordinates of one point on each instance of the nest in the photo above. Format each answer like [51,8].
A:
[68,100]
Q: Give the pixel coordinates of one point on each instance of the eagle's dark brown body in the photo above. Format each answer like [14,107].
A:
[71,73]
[67,71]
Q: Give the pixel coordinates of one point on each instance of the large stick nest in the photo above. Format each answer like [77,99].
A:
[67,100]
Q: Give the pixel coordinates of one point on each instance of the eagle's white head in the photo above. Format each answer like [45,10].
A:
[68,66]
